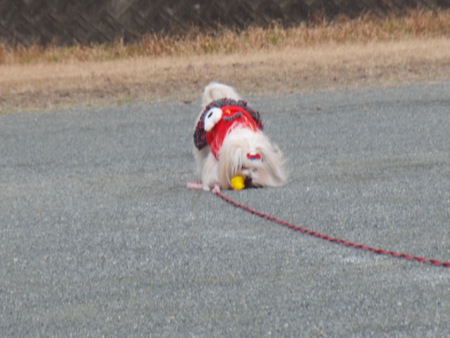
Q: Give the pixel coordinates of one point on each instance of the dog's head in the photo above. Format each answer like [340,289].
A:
[250,154]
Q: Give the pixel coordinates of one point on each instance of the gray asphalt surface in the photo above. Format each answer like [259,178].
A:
[99,235]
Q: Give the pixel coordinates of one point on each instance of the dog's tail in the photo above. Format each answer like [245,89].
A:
[216,91]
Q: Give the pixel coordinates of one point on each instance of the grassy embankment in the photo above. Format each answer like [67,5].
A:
[309,56]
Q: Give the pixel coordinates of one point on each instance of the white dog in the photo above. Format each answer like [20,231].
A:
[229,143]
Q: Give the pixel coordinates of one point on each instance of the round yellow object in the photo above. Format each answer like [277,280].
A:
[238,182]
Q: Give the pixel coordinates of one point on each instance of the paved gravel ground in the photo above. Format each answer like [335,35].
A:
[99,235]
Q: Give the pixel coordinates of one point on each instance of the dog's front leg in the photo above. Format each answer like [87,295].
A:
[199,185]
[210,173]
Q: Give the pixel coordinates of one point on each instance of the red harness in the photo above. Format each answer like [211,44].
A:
[234,114]
[232,117]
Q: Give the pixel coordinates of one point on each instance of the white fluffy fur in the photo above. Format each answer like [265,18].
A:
[233,155]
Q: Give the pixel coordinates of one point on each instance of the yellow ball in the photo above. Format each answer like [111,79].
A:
[238,182]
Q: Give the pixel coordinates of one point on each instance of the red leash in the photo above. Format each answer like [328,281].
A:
[329,238]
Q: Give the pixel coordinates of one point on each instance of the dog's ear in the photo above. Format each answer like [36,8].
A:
[273,160]
[212,117]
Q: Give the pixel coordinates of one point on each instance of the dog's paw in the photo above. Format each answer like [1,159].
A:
[216,189]
[198,185]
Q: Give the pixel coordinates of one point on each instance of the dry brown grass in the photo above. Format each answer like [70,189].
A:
[365,29]
[347,54]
